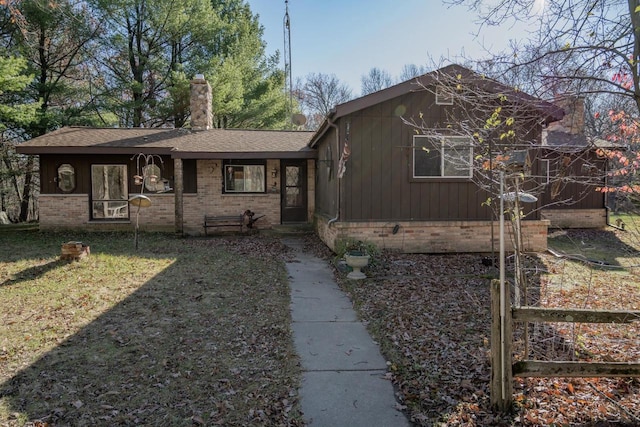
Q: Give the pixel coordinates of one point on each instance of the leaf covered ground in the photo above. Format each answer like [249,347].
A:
[197,332]
[430,314]
[181,332]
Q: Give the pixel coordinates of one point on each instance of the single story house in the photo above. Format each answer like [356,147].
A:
[88,175]
[364,174]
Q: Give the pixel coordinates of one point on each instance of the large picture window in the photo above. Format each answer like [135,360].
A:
[445,157]
[109,194]
[244,178]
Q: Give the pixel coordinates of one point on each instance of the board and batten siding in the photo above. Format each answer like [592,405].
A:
[578,204]
[326,175]
[580,191]
[378,184]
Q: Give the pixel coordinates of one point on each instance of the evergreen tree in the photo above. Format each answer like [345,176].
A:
[152,48]
[54,38]
[15,116]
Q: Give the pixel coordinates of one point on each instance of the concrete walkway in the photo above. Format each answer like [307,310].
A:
[343,380]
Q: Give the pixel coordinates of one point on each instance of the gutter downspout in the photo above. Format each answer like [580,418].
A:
[332,220]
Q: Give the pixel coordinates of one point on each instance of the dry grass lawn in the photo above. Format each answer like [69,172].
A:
[181,332]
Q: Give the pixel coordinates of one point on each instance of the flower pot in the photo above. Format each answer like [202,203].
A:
[356,260]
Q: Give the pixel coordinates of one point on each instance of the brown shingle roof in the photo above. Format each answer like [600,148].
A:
[244,141]
[181,143]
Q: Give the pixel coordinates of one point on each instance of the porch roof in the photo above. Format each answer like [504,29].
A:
[178,143]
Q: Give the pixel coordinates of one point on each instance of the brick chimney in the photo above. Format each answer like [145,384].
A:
[200,103]
[573,120]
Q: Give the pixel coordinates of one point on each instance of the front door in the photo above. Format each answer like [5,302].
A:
[294,190]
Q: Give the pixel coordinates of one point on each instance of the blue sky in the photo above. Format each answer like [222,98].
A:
[349,37]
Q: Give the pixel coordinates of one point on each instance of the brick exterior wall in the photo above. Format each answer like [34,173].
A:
[72,211]
[211,201]
[432,236]
[311,189]
[576,218]
[160,216]
[58,212]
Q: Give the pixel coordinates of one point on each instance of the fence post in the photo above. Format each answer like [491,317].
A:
[501,388]
[508,351]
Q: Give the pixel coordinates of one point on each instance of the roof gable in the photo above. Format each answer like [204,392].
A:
[548,111]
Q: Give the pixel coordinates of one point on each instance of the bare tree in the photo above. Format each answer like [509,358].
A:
[582,46]
[319,94]
[411,71]
[490,133]
[589,48]
[377,79]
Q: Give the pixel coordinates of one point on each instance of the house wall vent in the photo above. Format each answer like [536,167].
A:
[443,96]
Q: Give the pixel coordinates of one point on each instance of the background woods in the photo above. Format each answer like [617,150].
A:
[127,63]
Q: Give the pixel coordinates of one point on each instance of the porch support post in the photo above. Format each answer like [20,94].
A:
[178,190]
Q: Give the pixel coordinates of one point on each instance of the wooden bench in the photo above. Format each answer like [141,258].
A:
[211,221]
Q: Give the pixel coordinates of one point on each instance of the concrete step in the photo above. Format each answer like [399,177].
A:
[289,229]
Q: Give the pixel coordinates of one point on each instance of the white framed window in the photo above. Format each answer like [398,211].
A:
[444,96]
[244,178]
[109,192]
[443,157]
[545,167]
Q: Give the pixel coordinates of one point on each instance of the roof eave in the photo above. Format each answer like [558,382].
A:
[38,150]
[324,127]
[174,153]
[303,154]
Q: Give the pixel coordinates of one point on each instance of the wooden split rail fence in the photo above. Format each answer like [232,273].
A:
[502,367]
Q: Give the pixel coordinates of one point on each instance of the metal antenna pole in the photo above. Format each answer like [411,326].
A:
[287,59]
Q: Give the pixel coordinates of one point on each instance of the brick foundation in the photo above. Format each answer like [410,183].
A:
[432,236]
[59,212]
[576,218]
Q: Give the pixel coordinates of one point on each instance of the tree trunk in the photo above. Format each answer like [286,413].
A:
[26,190]
[12,174]
[137,63]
